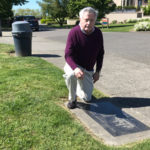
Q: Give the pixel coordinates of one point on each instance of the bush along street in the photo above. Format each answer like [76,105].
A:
[142,26]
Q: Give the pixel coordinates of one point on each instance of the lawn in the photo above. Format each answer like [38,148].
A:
[117,27]
[112,27]
[32,92]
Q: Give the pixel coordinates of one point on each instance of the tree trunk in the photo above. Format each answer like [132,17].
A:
[0,28]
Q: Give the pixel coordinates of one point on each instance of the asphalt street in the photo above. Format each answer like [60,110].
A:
[125,72]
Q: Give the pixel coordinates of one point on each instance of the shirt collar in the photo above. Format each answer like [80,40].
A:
[84,31]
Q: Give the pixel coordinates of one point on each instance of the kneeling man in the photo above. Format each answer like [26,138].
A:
[84,49]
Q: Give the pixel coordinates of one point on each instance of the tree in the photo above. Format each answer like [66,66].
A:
[74,6]
[44,9]
[103,6]
[33,12]
[56,9]
[59,9]
[6,8]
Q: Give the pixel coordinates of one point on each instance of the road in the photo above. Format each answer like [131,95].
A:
[125,72]
[126,68]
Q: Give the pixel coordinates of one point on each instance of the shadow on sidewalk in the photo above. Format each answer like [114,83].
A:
[128,102]
[109,114]
[45,55]
[123,102]
[46,28]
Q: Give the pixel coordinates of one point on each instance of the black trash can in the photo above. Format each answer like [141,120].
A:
[22,35]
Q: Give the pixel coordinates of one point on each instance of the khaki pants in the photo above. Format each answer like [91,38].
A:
[78,87]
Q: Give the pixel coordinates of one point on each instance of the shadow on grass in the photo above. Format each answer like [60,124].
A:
[41,28]
[54,27]
[45,55]
[117,26]
[45,28]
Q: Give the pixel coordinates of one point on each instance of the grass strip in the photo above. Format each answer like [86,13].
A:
[112,27]
[31,92]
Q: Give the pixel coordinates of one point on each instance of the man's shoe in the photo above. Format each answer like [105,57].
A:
[87,101]
[72,104]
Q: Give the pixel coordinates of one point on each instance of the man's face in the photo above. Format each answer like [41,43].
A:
[87,22]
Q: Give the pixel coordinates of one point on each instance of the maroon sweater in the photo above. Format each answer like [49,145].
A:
[84,50]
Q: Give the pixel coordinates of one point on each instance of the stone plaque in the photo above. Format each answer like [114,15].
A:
[112,118]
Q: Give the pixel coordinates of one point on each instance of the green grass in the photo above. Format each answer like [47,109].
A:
[112,27]
[117,27]
[65,26]
[31,116]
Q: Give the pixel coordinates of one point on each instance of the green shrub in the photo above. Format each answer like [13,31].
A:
[125,8]
[43,21]
[129,7]
[132,21]
[121,22]
[141,20]
[114,22]
[142,26]
[48,21]
[146,10]
[119,8]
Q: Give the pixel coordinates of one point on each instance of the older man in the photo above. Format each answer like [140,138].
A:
[84,49]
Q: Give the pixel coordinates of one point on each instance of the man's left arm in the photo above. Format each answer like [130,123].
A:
[99,64]
[99,61]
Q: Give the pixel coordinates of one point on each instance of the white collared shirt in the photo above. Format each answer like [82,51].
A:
[84,31]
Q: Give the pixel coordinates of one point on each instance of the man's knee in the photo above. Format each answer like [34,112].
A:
[71,76]
[70,80]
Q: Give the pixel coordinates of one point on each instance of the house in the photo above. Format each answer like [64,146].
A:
[136,3]
[124,14]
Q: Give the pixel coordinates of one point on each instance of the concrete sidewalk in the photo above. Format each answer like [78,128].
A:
[126,81]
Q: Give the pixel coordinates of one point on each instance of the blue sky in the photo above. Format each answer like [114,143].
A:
[32,4]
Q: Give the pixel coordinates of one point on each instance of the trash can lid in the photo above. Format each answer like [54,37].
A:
[21,26]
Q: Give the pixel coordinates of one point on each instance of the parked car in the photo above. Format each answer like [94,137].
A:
[31,19]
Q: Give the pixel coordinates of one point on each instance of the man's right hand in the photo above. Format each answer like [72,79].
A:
[79,73]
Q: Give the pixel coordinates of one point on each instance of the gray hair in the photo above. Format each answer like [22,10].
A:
[90,10]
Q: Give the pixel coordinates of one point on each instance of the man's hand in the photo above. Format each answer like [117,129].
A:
[79,73]
[96,76]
